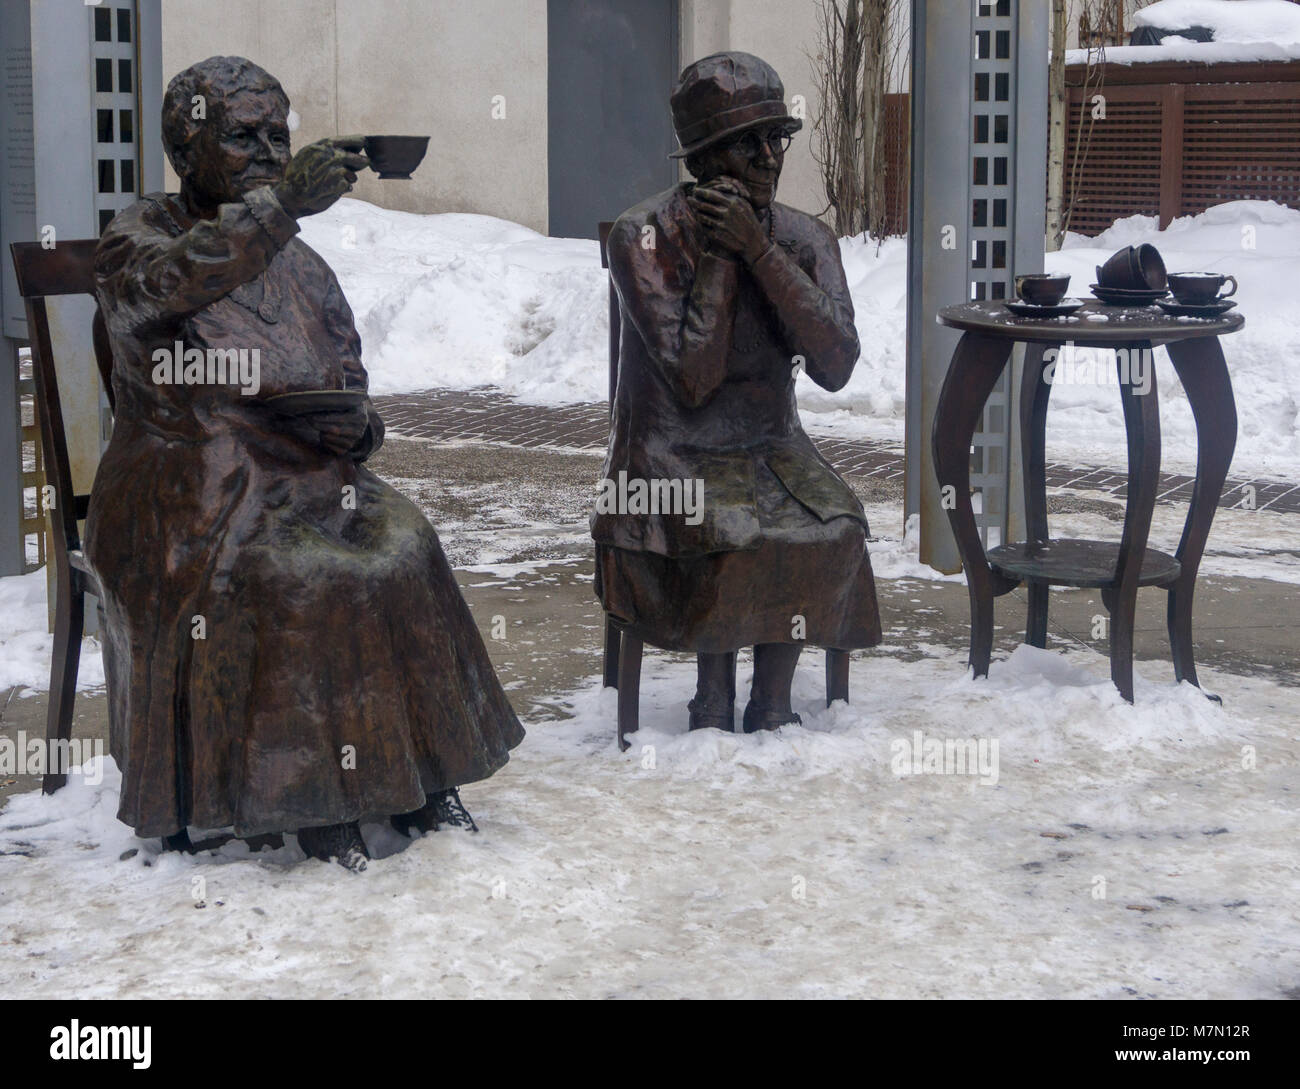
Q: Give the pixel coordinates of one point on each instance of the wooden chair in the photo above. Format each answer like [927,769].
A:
[67,269]
[623,649]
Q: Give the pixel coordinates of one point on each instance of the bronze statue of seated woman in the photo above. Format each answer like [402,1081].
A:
[286,647]
[725,295]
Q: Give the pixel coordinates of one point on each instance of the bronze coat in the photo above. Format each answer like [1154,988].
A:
[706,382]
[706,391]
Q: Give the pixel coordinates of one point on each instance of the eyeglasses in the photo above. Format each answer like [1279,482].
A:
[748,144]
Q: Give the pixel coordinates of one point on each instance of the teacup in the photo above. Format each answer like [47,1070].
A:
[1042,288]
[395,156]
[1134,268]
[1199,288]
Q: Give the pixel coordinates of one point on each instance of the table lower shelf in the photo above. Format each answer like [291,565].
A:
[1069,562]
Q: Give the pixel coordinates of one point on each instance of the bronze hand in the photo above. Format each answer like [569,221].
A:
[729,219]
[319,174]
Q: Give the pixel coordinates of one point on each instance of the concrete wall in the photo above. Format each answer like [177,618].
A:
[433,66]
[394,66]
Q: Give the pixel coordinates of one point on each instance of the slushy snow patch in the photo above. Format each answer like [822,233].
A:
[25,644]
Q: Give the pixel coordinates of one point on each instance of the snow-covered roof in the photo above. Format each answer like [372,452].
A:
[1242,30]
[1182,49]
[1275,21]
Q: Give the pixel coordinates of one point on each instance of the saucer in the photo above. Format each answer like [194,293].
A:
[1196,310]
[1125,296]
[1033,310]
[305,402]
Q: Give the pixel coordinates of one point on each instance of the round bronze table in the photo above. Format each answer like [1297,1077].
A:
[1118,569]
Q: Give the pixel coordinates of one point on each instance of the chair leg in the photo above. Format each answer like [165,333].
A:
[69,620]
[613,636]
[837,676]
[629,689]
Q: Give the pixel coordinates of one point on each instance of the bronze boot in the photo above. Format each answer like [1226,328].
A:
[762,718]
[341,843]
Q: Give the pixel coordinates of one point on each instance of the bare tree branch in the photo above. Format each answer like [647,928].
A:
[858,52]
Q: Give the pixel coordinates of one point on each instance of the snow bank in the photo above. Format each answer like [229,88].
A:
[1259,243]
[26,646]
[462,301]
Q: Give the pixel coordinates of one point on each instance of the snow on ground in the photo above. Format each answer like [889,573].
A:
[1251,544]
[462,301]
[1122,851]
[1106,850]
[459,301]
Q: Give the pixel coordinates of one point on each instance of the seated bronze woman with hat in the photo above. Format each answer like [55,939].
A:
[724,296]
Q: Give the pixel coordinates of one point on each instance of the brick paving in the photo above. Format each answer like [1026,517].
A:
[486,416]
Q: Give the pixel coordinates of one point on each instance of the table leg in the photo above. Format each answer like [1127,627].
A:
[1204,374]
[1142,424]
[1035,390]
[1036,621]
[976,366]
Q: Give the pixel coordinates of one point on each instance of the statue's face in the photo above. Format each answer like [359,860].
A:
[754,158]
[245,144]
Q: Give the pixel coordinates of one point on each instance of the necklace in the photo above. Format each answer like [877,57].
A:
[267,308]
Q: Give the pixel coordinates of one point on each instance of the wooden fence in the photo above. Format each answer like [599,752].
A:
[898,136]
[1176,138]
[1179,138]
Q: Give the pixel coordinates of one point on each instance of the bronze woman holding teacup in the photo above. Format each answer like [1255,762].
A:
[286,646]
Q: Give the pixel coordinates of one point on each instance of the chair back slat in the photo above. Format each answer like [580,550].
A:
[603,230]
[54,440]
[67,269]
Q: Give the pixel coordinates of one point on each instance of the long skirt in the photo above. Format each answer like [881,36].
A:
[275,661]
[808,581]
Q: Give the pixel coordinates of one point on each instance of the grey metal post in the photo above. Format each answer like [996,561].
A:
[17,214]
[978,207]
[80,113]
